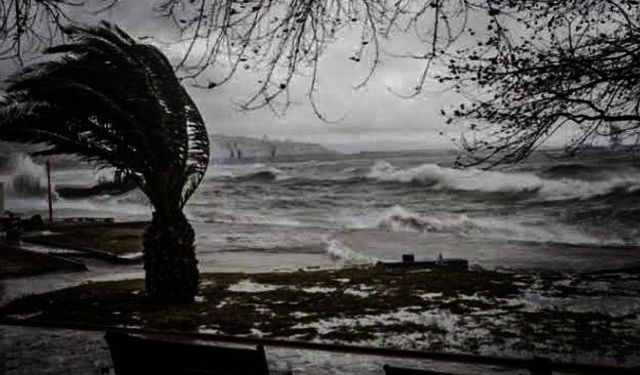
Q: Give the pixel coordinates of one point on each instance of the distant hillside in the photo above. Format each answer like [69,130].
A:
[222,147]
[236,147]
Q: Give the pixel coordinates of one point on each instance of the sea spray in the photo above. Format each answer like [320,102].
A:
[398,218]
[23,177]
[339,251]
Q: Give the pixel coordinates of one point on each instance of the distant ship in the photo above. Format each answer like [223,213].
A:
[615,138]
[271,146]
[234,151]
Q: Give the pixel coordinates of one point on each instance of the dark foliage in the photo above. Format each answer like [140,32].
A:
[546,65]
[27,26]
[116,102]
[529,68]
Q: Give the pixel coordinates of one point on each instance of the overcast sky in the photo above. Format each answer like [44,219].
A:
[372,118]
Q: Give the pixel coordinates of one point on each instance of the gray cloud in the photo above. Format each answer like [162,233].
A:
[370,118]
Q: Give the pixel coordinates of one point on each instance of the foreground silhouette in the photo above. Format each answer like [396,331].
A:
[117,103]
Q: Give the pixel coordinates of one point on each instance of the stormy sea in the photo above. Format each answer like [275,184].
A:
[563,231]
[548,212]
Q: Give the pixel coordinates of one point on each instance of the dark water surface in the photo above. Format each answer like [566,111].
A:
[547,212]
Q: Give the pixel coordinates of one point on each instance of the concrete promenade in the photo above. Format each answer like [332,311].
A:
[45,351]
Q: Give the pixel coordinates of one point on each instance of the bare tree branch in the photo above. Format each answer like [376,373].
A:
[546,65]
[28,26]
[281,40]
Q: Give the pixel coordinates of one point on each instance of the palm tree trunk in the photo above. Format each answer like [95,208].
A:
[169,259]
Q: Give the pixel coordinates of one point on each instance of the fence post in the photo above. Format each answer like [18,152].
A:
[49,192]
[1,198]
[12,229]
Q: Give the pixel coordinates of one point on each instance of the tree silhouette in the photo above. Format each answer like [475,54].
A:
[547,65]
[28,26]
[279,41]
[116,102]
[529,68]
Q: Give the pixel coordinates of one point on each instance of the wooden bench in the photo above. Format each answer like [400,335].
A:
[135,355]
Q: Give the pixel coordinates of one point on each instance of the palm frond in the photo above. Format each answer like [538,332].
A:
[114,102]
[198,150]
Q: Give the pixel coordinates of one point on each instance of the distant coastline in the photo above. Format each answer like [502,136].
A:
[230,149]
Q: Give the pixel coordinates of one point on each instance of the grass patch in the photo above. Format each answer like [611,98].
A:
[435,310]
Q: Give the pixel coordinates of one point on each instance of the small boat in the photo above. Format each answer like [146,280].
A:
[409,262]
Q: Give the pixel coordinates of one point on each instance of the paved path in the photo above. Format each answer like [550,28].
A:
[61,352]
[26,350]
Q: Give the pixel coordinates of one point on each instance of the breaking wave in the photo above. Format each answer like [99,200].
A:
[247,172]
[24,178]
[339,251]
[400,219]
[436,177]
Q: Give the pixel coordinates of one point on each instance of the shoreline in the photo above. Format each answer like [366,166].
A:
[588,317]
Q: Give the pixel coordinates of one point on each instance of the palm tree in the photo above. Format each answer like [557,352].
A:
[115,102]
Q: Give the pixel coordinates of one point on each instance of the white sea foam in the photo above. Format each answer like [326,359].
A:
[338,250]
[248,286]
[412,314]
[319,289]
[23,178]
[399,218]
[472,179]
[358,292]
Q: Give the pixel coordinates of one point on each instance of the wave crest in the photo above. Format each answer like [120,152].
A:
[339,251]
[23,177]
[442,178]
[246,172]
[398,219]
